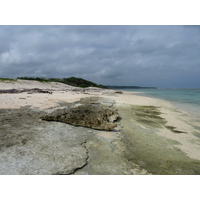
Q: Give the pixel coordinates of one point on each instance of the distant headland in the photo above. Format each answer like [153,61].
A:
[128,87]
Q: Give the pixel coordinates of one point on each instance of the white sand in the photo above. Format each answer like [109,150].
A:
[61,92]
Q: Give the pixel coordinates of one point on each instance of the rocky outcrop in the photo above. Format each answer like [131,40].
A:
[29,145]
[96,116]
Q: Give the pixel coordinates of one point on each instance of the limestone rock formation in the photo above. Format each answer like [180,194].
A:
[96,116]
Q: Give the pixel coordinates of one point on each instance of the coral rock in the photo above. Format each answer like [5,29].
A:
[99,117]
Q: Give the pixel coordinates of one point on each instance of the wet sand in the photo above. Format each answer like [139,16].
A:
[152,136]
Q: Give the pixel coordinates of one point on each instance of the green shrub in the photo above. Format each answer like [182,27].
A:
[6,79]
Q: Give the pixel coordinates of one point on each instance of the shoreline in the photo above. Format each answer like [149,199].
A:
[191,109]
[152,137]
[181,120]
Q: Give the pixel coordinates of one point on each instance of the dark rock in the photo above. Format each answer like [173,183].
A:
[119,92]
[100,117]
[30,91]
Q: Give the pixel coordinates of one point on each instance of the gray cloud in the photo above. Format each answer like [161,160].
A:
[162,56]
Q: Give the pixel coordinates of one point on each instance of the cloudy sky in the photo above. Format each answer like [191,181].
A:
[160,56]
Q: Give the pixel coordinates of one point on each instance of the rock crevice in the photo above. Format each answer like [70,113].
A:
[86,160]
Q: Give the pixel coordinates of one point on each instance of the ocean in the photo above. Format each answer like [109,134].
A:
[184,99]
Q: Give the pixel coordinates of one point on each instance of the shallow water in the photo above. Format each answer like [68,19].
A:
[184,99]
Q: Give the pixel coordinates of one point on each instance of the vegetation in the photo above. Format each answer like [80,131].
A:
[6,79]
[73,81]
[41,79]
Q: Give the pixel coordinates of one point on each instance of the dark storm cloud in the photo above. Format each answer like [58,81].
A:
[163,56]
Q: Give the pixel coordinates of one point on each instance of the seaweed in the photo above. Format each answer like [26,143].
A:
[149,116]
[173,129]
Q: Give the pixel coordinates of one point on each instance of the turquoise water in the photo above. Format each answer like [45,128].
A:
[185,99]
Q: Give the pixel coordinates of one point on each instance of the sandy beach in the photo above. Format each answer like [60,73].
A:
[151,136]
